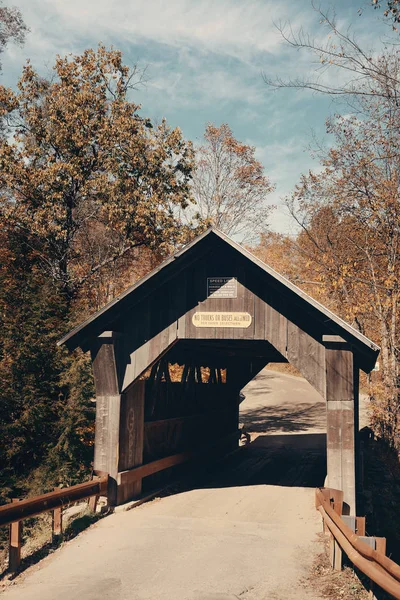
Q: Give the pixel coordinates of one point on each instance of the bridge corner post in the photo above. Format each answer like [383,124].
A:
[342,403]
[108,408]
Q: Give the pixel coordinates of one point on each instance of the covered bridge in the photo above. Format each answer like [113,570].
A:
[171,354]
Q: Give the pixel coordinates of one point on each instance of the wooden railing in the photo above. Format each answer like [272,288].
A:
[348,536]
[138,473]
[14,513]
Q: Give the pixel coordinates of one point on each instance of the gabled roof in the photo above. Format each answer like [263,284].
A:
[98,322]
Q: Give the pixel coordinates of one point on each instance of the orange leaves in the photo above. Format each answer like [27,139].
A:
[229,184]
[83,161]
[350,215]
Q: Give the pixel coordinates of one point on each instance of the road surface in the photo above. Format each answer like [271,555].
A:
[248,532]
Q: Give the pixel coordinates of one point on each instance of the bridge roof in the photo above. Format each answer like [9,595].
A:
[103,319]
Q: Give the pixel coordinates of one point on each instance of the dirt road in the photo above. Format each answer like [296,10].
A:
[247,533]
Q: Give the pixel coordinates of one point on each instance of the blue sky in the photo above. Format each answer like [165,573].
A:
[204,63]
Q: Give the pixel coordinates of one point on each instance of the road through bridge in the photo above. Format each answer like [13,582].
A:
[244,530]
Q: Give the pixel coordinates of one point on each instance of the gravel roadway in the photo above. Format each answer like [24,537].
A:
[248,532]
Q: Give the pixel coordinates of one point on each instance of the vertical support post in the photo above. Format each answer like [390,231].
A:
[93,503]
[57,522]
[341,388]
[338,560]
[14,548]
[360,525]
[131,438]
[335,554]
[108,405]
[380,545]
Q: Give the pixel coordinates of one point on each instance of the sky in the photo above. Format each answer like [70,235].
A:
[204,62]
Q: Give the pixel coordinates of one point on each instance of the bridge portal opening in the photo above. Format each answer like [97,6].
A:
[171,355]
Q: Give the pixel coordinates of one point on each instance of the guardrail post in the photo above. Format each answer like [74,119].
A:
[337,562]
[92,503]
[57,527]
[360,526]
[372,588]
[14,549]
[380,545]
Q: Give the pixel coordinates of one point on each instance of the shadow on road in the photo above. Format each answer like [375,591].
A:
[284,460]
[289,417]
[297,460]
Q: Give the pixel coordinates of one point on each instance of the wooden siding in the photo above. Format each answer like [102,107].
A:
[154,325]
[179,418]
[131,437]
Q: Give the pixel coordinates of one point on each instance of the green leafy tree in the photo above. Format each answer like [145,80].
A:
[80,166]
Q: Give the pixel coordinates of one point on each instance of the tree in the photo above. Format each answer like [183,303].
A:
[229,185]
[286,255]
[345,70]
[83,174]
[350,217]
[89,190]
[12,27]
[349,213]
[279,251]
[392,11]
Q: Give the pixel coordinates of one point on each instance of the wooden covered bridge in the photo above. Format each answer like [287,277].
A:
[171,354]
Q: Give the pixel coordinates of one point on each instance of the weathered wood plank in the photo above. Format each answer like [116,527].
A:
[276,329]
[340,383]
[145,356]
[178,303]
[131,437]
[104,363]
[108,401]
[213,415]
[307,355]
[259,318]
[340,394]
[248,332]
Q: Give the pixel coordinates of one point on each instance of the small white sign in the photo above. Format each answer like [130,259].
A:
[221,287]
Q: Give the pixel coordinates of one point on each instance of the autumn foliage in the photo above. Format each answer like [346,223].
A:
[82,166]
[229,185]
[89,194]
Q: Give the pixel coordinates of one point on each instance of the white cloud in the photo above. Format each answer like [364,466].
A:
[205,59]
[233,28]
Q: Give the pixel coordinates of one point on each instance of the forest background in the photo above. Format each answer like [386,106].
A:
[93,194]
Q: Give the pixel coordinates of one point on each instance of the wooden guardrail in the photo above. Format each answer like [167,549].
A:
[14,513]
[142,471]
[370,559]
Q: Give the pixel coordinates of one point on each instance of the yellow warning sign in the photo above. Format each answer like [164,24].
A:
[221,319]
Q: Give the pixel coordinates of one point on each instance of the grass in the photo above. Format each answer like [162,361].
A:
[38,541]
